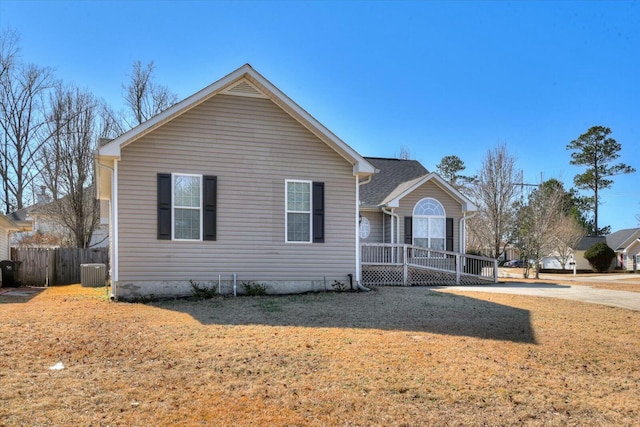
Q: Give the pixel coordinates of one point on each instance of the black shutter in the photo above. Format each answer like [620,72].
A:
[164,206]
[318,212]
[210,197]
[449,246]
[408,230]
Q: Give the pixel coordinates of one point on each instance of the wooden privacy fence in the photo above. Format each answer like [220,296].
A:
[59,266]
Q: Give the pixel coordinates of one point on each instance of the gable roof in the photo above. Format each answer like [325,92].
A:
[20,215]
[393,199]
[396,178]
[245,81]
[619,240]
[391,173]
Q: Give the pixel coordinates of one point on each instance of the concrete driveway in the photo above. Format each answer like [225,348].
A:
[622,299]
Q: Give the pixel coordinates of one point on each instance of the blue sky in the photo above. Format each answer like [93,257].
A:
[440,78]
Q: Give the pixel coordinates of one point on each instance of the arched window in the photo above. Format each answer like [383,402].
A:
[429,224]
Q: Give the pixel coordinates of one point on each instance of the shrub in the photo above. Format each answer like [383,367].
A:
[339,286]
[254,289]
[200,290]
[600,256]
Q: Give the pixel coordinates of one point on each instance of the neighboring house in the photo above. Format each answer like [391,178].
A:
[7,227]
[625,243]
[509,252]
[45,231]
[582,246]
[238,182]
[551,263]
[404,203]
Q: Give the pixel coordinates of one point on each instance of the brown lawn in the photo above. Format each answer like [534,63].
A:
[392,357]
[622,282]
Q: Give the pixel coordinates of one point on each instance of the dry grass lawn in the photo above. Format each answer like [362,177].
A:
[392,357]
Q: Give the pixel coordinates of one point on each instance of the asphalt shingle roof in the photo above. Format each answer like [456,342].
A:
[393,172]
[615,240]
[20,215]
[587,241]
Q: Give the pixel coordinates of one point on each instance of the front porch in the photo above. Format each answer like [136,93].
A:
[392,264]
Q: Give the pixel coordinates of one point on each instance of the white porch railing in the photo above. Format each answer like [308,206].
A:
[405,265]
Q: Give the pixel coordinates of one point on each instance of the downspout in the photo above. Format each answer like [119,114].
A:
[112,234]
[463,239]
[397,217]
[463,231]
[394,256]
[358,255]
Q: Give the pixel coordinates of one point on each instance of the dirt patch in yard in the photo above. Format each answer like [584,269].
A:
[392,357]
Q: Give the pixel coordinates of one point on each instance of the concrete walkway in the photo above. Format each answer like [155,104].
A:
[622,299]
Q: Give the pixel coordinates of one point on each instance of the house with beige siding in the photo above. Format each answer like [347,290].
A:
[237,184]
[405,204]
[7,226]
[625,243]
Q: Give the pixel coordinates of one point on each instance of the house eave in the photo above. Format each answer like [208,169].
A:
[11,225]
[467,205]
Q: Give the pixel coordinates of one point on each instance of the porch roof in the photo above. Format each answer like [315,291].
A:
[391,173]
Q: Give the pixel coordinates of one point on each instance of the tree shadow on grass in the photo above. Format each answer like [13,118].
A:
[415,309]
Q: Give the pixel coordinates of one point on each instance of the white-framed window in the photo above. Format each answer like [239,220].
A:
[429,224]
[298,207]
[186,207]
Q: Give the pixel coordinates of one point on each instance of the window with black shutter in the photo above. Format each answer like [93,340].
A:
[408,230]
[187,207]
[209,205]
[318,212]
[449,235]
[164,206]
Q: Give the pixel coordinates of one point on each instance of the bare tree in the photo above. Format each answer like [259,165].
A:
[494,192]
[405,153]
[67,163]
[567,234]
[143,97]
[22,121]
[8,50]
[111,123]
[537,224]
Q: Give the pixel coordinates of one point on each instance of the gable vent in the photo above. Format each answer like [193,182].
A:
[244,88]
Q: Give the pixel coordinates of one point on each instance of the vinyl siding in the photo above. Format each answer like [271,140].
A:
[252,146]
[632,250]
[375,222]
[453,208]
[4,244]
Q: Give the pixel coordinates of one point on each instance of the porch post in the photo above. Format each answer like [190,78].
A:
[458,266]
[405,266]
[358,248]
